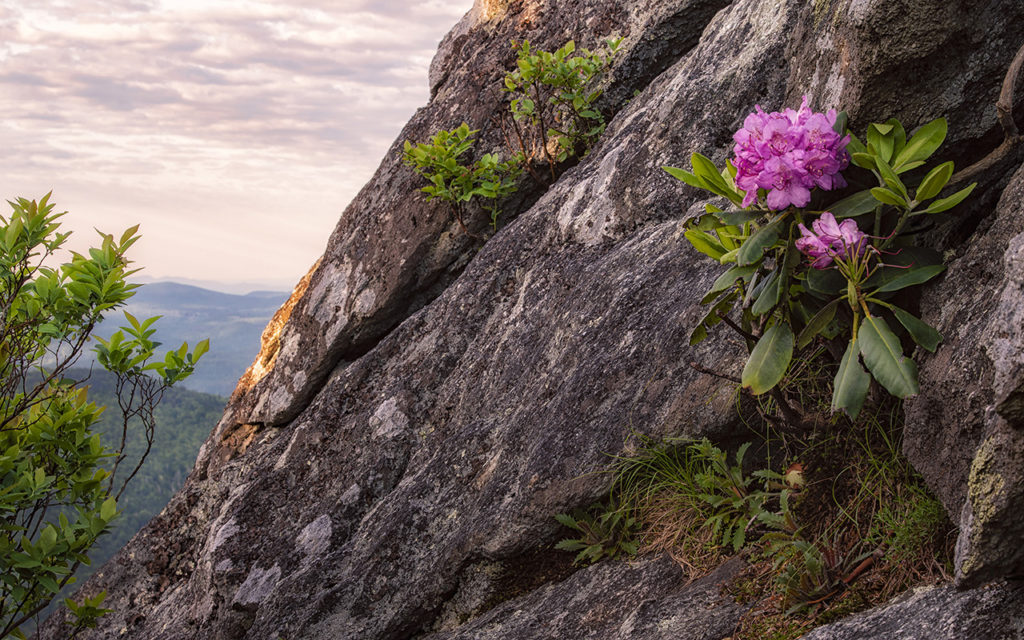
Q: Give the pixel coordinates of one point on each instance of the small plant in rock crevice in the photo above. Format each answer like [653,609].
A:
[551,114]
[440,162]
[553,110]
[604,532]
[844,523]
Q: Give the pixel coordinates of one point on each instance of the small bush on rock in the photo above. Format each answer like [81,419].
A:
[802,266]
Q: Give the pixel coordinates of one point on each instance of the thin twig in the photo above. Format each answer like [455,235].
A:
[697,367]
[737,328]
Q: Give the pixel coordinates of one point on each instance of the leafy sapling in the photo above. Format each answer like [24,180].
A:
[553,108]
[59,483]
[456,182]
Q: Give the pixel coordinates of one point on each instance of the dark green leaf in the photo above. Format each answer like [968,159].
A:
[851,383]
[884,357]
[922,333]
[817,324]
[728,278]
[910,277]
[851,206]
[770,295]
[740,217]
[769,360]
[754,246]
[825,281]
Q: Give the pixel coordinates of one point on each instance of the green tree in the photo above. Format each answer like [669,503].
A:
[59,483]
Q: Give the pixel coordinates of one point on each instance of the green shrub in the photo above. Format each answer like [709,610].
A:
[58,482]
[438,161]
[555,93]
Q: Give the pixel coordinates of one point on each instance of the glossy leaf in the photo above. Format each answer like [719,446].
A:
[769,359]
[851,383]
[884,357]
[863,160]
[934,182]
[740,217]
[945,204]
[880,139]
[922,332]
[912,276]
[885,196]
[923,143]
[705,243]
[685,176]
[851,206]
[817,323]
[730,277]
[770,295]
[754,247]
[825,281]
[891,179]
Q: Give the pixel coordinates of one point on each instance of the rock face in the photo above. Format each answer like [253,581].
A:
[393,460]
[648,599]
[993,612]
[970,444]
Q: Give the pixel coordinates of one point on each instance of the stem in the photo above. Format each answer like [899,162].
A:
[751,338]
[895,232]
[697,367]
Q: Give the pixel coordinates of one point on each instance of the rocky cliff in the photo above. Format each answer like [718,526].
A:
[390,465]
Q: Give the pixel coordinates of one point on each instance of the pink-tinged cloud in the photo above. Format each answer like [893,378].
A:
[235,132]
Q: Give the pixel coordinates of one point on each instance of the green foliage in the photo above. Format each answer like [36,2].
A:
[776,295]
[56,496]
[736,505]
[908,527]
[605,532]
[813,537]
[555,94]
[439,161]
[86,614]
[553,113]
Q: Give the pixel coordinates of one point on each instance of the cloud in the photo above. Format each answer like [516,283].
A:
[239,101]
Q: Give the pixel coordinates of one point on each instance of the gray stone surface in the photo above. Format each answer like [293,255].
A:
[994,612]
[378,488]
[391,252]
[648,599]
[970,451]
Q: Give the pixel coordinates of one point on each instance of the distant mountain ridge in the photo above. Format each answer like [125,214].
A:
[232,322]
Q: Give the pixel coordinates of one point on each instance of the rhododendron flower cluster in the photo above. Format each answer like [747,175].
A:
[788,154]
[831,240]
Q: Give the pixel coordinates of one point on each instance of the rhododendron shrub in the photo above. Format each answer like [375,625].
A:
[817,230]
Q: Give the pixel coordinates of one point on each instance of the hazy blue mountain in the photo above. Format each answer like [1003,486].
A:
[233,323]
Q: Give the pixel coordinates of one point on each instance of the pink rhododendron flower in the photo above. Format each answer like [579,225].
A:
[788,154]
[831,240]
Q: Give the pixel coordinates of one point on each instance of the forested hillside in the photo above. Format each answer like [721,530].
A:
[184,419]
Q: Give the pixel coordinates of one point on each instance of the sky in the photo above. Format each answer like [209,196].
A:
[234,131]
